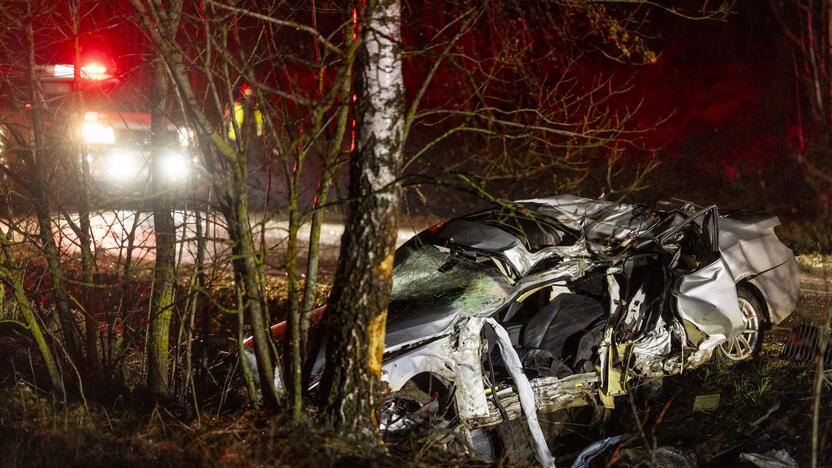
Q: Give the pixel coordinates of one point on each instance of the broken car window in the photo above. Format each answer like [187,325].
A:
[429,277]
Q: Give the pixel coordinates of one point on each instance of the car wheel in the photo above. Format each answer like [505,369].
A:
[745,346]
[420,404]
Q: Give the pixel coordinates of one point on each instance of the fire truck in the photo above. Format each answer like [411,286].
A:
[107,131]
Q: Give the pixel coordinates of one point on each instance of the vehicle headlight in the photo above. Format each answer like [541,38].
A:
[174,166]
[123,165]
[98,133]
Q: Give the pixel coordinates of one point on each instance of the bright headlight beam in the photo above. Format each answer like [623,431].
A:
[122,166]
[97,133]
[174,166]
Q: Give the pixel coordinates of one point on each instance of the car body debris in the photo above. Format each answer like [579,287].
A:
[708,402]
[595,449]
[771,459]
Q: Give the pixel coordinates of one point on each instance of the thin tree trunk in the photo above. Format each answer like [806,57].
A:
[8,276]
[357,309]
[205,317]
[298,323]
[164,274]
[293,367]
[311,347]
[248,375]
[246,272]
[313,261]
[164,278]
[40,199]
[113,362]
[83,171]
[314,252]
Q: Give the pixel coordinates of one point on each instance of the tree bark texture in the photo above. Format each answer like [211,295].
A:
[357,308]
[246,273]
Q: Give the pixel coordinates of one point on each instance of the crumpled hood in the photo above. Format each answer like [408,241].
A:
[405,324]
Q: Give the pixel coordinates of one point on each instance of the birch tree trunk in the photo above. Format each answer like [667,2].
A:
[357,309]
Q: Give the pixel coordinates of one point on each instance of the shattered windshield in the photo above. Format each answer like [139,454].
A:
[429,279]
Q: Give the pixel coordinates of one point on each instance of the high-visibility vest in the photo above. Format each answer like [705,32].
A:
[239,118]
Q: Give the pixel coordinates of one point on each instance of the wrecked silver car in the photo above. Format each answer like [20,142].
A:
[559,302]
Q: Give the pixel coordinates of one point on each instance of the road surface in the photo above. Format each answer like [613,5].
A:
[111,231]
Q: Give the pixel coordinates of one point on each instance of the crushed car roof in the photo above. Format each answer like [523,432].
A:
[553,223]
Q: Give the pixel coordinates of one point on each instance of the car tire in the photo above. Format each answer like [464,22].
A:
[746,346]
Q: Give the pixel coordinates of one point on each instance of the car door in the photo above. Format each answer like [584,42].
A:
[704,291]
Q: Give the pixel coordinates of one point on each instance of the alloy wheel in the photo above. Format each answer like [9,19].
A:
[743,346]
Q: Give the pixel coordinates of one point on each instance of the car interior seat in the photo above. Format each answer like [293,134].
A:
[566,330]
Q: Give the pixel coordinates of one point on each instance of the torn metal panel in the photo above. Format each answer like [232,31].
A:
[633,312]
[780,288]
[485,238]
[617,373]
[771,459]
[470,394]
[614,292]
[656,342]
[551,394]
[749,249]
[707,298]
[752,252]
[602,223]
[698,358]
[434,358]
[525,394]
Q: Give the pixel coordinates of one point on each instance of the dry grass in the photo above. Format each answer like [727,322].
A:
[748,392]
[37,432]
[815,260]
